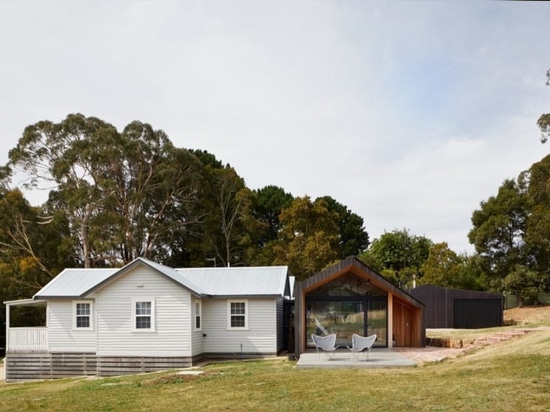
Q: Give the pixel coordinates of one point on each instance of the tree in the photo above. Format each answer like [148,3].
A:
[445,268]
[33,249]
[441,267]
[544,120]
[499,227]
[123,193]
[400,253]
[270,201]
[228,233]
[525,283]
[65,155]
[308,240]
[354,239]
[538,223]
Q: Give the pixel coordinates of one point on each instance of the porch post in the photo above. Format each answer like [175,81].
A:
[390,320]
[7,325]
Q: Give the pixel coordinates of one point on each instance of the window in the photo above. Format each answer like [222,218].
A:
[82,315]
[144,314]
[237,314]
[198,315]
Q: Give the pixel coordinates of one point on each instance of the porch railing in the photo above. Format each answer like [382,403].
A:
[27,339]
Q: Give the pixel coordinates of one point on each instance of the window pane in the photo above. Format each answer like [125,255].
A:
[237,308]
[82,309]
[237,322]
[143,322]
[143,308]
[82,321]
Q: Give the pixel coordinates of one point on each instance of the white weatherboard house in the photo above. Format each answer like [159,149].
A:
[147,317]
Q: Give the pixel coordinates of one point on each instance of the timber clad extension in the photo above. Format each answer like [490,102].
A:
[350,297]
[146,317]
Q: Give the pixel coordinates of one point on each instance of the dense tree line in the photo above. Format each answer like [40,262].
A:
[511,233]
[117,195]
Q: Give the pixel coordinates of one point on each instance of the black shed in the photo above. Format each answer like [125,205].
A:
[459,309]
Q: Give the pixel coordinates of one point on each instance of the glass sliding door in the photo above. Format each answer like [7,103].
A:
[377,321]
[346,317]
[343,318]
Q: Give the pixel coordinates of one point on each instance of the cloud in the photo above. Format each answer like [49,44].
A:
[409,113]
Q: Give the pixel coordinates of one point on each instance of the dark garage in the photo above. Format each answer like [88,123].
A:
[459,309]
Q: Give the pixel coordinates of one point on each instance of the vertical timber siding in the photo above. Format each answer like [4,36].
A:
[33,366]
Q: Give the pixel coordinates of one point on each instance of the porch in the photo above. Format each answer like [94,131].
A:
[20,337]
[378,358]
[343,359]
[34,339]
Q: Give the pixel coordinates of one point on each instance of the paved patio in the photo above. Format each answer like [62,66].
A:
[378,358]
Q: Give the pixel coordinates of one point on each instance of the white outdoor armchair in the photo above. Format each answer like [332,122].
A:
[361,346]
[325,345]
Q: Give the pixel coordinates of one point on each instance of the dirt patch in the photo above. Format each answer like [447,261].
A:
[176,378]
[527,315]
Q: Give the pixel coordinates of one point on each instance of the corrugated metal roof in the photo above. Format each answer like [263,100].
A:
[239,281]
[236,281]
[176,276]
[74,282]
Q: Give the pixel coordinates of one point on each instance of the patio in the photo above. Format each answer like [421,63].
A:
[378,358]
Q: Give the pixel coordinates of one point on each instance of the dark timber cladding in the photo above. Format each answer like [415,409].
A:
[411,333]
[462,309]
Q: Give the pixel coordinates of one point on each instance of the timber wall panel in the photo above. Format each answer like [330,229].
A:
[34,366]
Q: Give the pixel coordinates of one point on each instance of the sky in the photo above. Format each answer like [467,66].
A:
[410,113]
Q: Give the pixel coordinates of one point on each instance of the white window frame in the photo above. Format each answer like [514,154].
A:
[135,301]
[90,315]
[197,314]
[231,315]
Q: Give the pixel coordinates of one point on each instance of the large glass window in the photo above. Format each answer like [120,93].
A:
[346,317]
[344,306]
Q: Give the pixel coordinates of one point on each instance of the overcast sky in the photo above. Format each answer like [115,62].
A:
[410,113]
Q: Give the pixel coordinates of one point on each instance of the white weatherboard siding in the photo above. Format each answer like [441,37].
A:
[62,337]
[172,311]
[259,338]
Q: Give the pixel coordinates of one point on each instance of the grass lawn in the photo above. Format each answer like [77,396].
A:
[508,376]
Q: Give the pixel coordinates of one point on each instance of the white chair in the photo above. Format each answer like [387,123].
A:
[361,346]
[325,345]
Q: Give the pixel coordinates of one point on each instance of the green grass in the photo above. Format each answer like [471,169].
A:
[509,376]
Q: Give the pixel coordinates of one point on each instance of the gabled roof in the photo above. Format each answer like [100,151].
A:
[240,281]
[354,265]
[73,283]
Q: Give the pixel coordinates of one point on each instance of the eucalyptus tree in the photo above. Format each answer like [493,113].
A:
[65,156]
[122,192]
[544,120]
[228,232]
[33,249]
